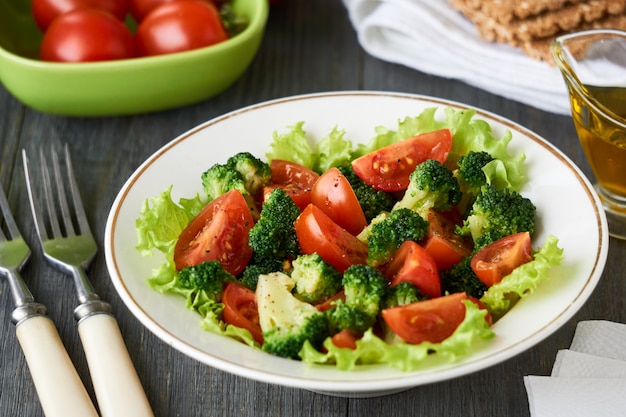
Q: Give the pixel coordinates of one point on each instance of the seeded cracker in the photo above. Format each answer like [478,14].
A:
[532,25]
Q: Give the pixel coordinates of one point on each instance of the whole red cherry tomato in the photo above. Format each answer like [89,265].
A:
[86,35]
[45,11]
[179,26]
[139,9]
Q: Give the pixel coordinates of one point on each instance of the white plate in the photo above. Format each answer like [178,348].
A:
[567,206]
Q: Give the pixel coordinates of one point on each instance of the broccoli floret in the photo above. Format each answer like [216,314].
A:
[343,316]
[364,287]
[255,173]
[259,266]
[401,294]
[431,186]
[243,172]
[471,176]
[316,279]
[461,278]
[220,179]
[209,277]
[273,236]
[372,201]
[386,235]
[496,214]
[287,322]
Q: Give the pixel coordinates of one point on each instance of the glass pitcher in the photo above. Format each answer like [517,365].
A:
[593,64]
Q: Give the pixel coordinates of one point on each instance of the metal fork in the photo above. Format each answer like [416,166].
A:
[68,244]
[60,389]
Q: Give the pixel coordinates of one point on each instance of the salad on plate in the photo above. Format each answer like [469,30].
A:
[396,250]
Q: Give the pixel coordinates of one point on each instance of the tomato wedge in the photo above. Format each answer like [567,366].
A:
[219,232]
[328,304]
[446,247]
[295,179]
[316,232]
[430,320]
[499,259]
[334,195]
[411,263]
[344,339]
[389,167]
[241,310]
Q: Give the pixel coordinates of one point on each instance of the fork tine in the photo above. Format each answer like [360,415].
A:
[35,204]
[8,218]
[79,210]
[48,195]
[62,197]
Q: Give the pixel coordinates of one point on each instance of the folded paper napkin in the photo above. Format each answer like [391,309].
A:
[430,36]
[589,379]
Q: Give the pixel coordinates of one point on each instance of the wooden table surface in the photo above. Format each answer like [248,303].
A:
[310,46]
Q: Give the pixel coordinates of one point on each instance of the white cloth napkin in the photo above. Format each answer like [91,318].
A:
[430,36]
[589,379]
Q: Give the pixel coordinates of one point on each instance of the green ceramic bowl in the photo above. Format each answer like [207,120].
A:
[129,86]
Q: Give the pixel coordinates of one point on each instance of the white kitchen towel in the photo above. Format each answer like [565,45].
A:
[430,36]
[589,379]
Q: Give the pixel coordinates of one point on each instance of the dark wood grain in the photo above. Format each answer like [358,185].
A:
[309,46]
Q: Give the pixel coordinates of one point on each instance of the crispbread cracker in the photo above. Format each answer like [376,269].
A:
[568,18]
[506,10]
[534,33]
[540,48]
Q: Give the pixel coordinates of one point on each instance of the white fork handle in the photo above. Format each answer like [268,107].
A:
[60,389]
[115,381]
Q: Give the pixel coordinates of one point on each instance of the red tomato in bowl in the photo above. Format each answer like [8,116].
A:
[389,167]
[179,26]
[139,9]
[45,11]
[86,35]
[219,232]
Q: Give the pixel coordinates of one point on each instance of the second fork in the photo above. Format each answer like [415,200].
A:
[68,244]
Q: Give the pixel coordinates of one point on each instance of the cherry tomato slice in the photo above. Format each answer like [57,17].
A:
[86,35]
[218,232]
[499,259]
[446,247]
[334,195]
[241,310]
[328,304]
[389,167]
[316,232]
[430,320]
[344,339]
[411,263]
[296,180]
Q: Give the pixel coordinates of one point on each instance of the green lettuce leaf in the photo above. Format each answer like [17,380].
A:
[161,221]
[293,146]
[333,150]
